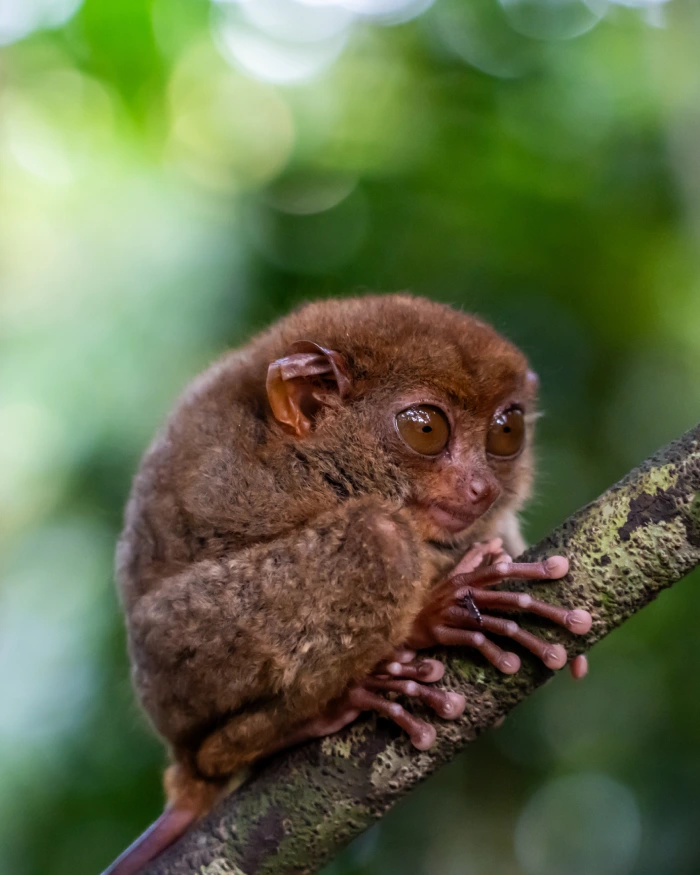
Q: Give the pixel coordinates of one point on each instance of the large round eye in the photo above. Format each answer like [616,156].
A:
[507,433]
[425,429]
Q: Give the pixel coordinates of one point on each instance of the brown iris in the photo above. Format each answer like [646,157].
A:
[424,428]
[507,433]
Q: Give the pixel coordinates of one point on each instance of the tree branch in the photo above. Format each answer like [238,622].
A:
[638,538]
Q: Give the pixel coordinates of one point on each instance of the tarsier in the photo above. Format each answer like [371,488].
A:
[322,504]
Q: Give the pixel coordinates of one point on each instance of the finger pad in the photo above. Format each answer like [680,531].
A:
[556,657]
[579,667]
[557,566]
[424,740]
[431,670]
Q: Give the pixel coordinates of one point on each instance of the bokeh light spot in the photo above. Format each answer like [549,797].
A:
[55,129]
[640,4]
[553,19]
[305,193]
[313,243]
[388,11]
[278,61]
[583,824]
[479,34]
[289,20]
[228,132]
[18,18]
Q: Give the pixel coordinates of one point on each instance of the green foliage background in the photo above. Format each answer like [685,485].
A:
[169,183]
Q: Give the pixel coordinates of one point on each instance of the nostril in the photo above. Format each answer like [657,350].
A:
[481,491]
[477,489]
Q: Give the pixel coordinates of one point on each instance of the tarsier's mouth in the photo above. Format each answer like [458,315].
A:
[450,517]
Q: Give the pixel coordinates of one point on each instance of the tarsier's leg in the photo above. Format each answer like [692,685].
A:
[399,674]
[454,614]
[228,749]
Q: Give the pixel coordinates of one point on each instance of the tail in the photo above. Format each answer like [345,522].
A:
[190,799]
[172,823]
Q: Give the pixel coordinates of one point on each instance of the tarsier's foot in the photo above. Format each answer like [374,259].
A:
[455,614]
[403,674]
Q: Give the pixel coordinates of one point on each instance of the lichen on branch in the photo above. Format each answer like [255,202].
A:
[300,808]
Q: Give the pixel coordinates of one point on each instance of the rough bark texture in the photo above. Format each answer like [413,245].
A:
[639,537]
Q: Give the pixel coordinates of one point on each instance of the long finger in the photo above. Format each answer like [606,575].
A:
[475,555]
[504,661]
[579,667]
[487,575]
[422,734]
[576,621]
[445,703]
[426,670]
[499,556]
[554,656]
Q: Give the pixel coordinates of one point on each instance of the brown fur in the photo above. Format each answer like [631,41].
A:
[262,572]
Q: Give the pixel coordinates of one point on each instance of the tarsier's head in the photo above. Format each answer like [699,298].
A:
[439,393]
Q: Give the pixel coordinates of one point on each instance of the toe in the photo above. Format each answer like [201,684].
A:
[455,703]
[430,670]
[424,738]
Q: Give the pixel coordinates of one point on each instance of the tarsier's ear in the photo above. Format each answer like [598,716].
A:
[299,384]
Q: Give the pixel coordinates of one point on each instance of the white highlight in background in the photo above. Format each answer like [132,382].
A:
[18,18]
[273,60]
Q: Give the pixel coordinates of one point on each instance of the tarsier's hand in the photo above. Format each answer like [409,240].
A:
[454,614]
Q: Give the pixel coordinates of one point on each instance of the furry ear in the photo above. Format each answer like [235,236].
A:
[299,384]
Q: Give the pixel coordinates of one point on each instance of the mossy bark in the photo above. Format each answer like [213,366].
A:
[638,538]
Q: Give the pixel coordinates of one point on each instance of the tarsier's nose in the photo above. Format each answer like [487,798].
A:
[482,491]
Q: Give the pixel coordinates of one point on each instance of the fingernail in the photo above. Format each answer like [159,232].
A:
[557,566]
[424,739]
[555,657]
[579,621]
[509,663]
[457,704]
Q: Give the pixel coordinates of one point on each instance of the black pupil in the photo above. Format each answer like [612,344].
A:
[427,428]
[506,429]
